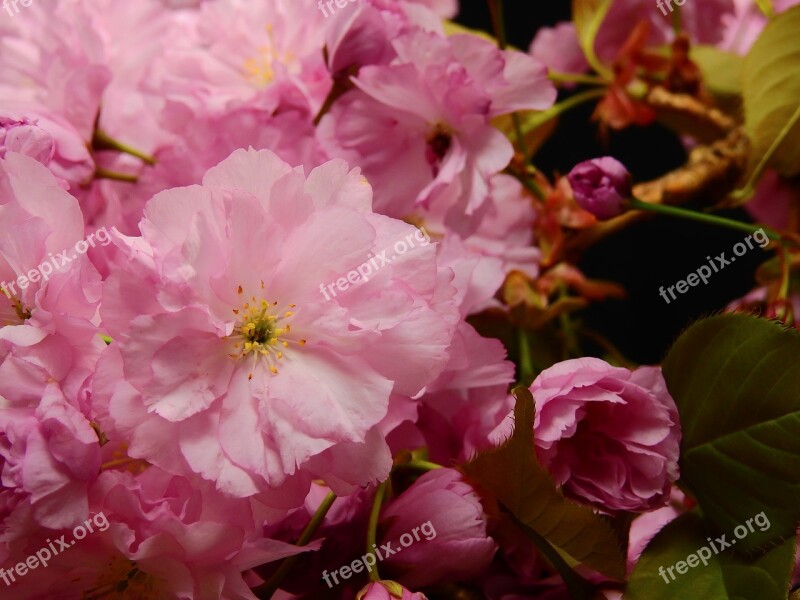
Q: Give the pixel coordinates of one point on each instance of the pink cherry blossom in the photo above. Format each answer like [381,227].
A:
[49,139]
[25,137]
[452,544]
[463,409]
[234,354]
[558,48]
[742,27]
[609,436]
[420,127]
[235,51]
[48,457]
[155,535]
[48,315]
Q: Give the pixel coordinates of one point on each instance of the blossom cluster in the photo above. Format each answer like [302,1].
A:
[192,380]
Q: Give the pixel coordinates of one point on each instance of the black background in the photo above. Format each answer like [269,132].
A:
[647,255]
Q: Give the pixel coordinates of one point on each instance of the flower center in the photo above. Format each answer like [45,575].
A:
[438,145]
[262,330]
[260,69]
[19,310]
[123,580]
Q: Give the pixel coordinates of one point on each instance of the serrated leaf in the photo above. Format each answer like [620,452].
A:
[726,576]
[771,89]
[588,16]
[515,477]
[736,382]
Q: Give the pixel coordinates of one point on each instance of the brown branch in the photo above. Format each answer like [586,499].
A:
[689,115]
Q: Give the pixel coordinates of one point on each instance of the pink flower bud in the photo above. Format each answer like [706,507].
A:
[26,137]
[610,437]
[437,530]
[601,186]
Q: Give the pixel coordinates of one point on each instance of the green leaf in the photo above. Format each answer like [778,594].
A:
[722,71]
[725,576]
[736,381]
[514,476]
[771,84]
[588,16]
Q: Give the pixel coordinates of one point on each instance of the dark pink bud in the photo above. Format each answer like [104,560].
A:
[601,186]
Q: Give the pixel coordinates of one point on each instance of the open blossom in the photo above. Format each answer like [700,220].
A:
[742,27]
[155,536]
[49,455]
[420,126]
[235,51]
[558,48]
[608,436]
[236,365]
[49,299]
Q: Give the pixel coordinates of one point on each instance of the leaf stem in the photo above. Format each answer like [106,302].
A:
[101,173]
[526,371]
[103,141]
[498,22]
[372,529]
[683,213]
[559,77]
[421,465]
[565,105]
[266,590]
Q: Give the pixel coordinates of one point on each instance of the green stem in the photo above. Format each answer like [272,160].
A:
[676,20]
[103,141]
[526,372]
[529,184]
[266,590]
[372,529]
[684,213]
[563,106]
[101,173]
[575,78]
[570,349]
[498,22]
[499,26]
[523,145]
[420,465]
